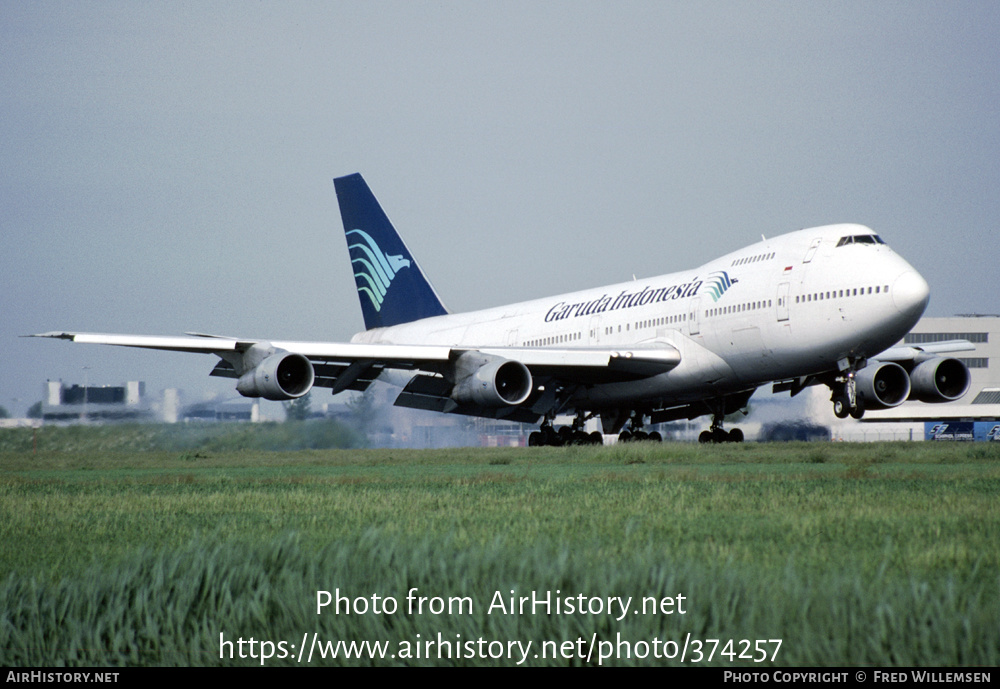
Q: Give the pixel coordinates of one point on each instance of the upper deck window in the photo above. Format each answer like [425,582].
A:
[860,239]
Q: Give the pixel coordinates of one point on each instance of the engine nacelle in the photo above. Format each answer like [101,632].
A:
[939,379]
[496,382]
[882,385]
[281,376]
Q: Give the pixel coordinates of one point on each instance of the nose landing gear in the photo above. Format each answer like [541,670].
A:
[845,397]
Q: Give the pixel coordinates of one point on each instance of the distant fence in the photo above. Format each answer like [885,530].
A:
[872,435]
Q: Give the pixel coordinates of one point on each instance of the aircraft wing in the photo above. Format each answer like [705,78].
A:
[203,343]
[914,352]
[353,366]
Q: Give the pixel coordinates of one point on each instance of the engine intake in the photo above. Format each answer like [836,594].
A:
[279,377]
[883,385]
[940,379]
[491,381]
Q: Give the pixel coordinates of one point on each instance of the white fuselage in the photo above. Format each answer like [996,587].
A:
[783,308]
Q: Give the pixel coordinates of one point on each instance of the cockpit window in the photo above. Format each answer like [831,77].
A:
[860,239]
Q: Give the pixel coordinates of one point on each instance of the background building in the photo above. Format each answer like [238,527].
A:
[95,403]
[232,409]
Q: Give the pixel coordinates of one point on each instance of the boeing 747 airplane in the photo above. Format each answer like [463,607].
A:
[817,306]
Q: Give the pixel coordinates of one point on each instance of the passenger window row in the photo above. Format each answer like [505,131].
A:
[752,259]
[841,294]
[739,308]
[554,340]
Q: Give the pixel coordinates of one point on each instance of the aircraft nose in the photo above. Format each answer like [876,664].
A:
[910,293]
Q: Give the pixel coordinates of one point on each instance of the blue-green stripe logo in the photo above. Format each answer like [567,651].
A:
[717,283]
[375,270]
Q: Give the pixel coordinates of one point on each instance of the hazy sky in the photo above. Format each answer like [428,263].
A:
[167,166]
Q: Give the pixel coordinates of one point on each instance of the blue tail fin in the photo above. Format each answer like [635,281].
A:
[391,286]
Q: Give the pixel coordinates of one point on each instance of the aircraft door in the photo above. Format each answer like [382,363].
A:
[693,322]
[812,249]
[783,302]
[595,330]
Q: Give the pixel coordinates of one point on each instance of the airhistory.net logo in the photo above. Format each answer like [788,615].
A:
[376,269]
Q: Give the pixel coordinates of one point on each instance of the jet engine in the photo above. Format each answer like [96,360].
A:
[281,376]
[882,385]
[939,379]
[491,381]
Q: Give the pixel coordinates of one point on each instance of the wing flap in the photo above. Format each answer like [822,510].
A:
[593,364]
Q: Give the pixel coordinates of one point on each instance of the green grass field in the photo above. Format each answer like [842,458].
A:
[128,546]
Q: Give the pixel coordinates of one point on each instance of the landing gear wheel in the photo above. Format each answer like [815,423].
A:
[841,407]
[549,436]
[719,435]
[624,437]
[656,437]
[565,435]
[858,411]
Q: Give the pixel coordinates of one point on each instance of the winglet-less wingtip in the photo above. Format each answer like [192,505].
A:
[57,334]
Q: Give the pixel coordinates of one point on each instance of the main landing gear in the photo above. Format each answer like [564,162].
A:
[716,434]
[638,436]
[635,434]
[548,435]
